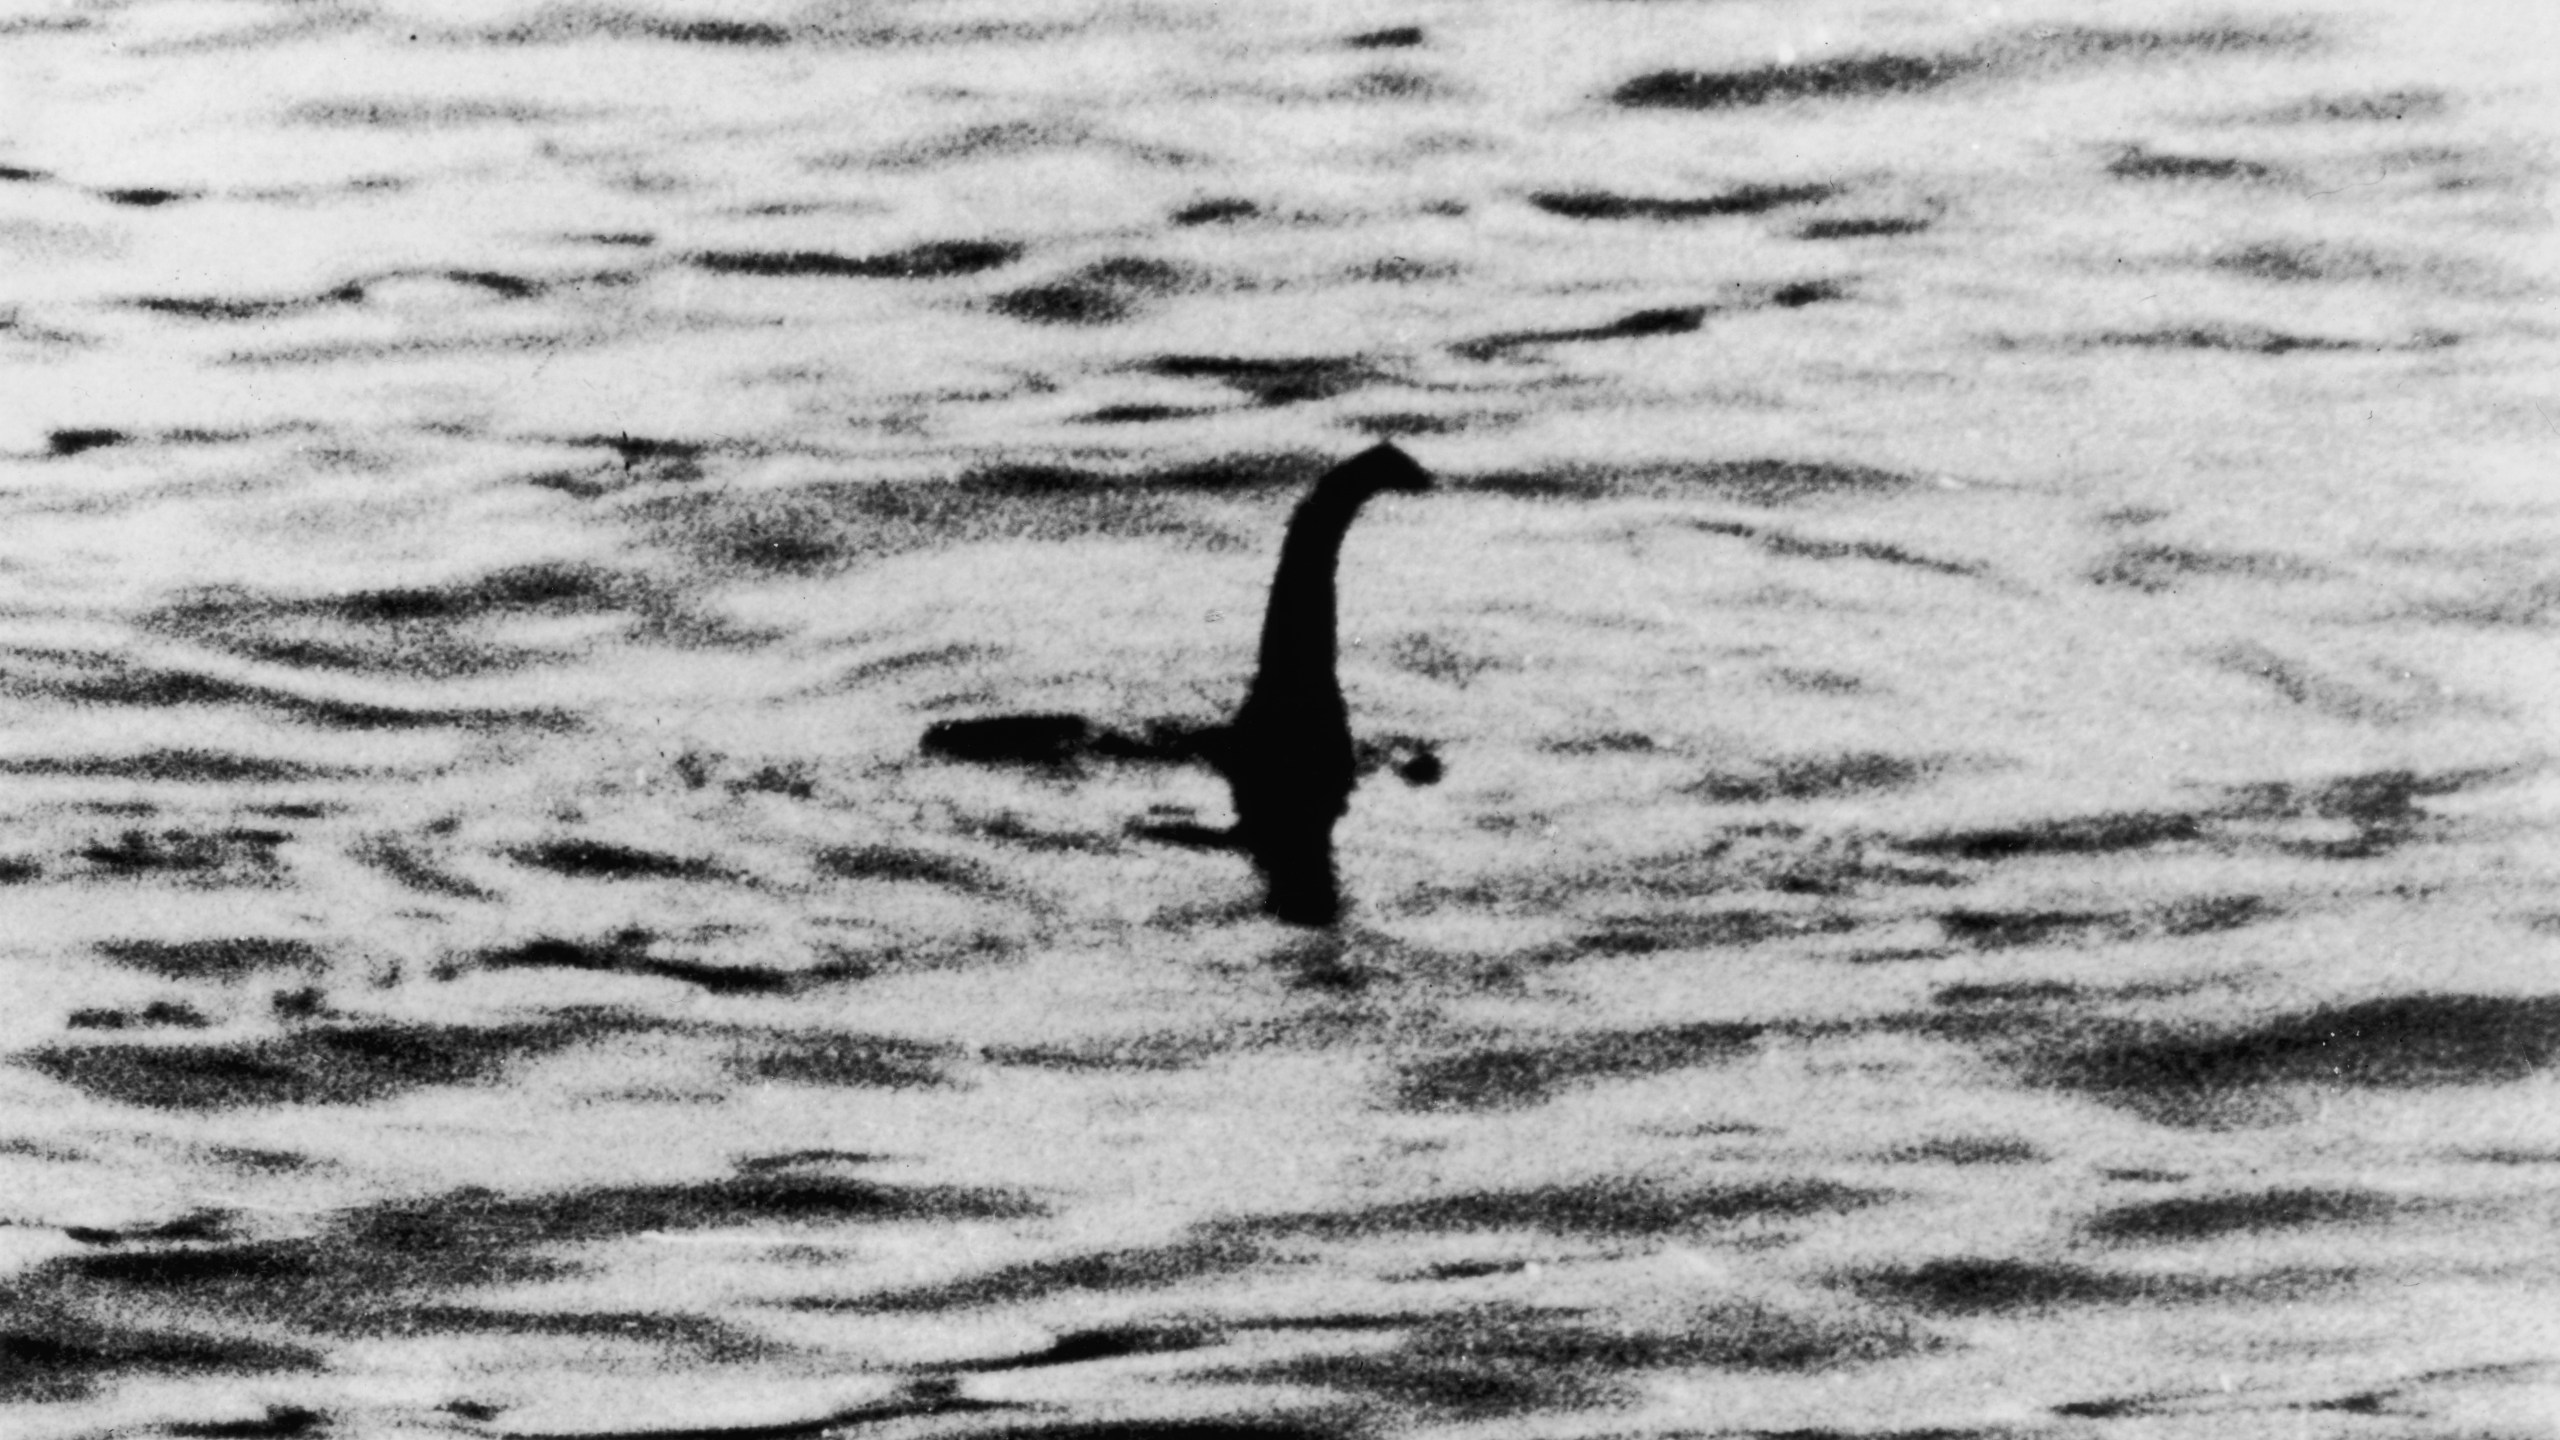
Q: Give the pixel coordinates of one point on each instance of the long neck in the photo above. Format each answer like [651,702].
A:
[1298,628]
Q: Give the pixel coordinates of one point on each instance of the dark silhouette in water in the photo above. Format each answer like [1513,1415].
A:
[1288,756]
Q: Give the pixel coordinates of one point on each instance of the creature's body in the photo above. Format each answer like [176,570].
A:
[1287,755]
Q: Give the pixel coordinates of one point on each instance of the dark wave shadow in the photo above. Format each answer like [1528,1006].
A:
[1654,323]
[106,679]
[2044,50]
[1607,1207]
[397,1269]
[1764,482]
[1103,293]
[2137,163]
[240,855]
[1798,547]
[2381,809]
[1274,381]
[1982,1286]
[225,959]
[331,1064]
[1741,200]
[2188,1218]
[1520,1074]
[932,260]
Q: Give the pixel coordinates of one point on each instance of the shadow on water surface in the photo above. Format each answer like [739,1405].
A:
[2198,1074]
[2020,55]
[385,1270]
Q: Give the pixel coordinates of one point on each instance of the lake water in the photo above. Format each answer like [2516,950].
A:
[1990,618]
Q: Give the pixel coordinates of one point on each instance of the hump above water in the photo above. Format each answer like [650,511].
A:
[1287,756]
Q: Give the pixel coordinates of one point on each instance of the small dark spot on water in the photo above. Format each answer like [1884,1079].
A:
[1844,78]
[1969,1150]
[220,959]
[1511,1076]
[2009,992]
[2207,1217]
[281,1422]
[2240,339]
[2412,103]
[2023,53]
[1435,659]
[1604,1207]
[1767,482]
[2290,263]
[1741,200]
[2086,835]
[1140,414]
[204,308]
[2207,914]
[1389,85]
[1284,381]
[511,286]
[2156,568]
[1817,682]
[1672,320]
[200,1225]
[2114,1409]
[182,851]
[893,862]
[803,1159]
[2005,929]
[74,442]
[604,860]
[2136,163]
[418,114]
[877,1062]
[1798,294]
[1606,742]
[1099,294]
[308,1002]
[1815,777]
[1218,211]
[1800,547]
[628,953]
[1982,1286]
[157,1014]
[1402,270]
[1677,320]
[1063,305]
[934,260]
[1078,1347]
[716,32]
[1860,227]
[1047,740]
[1395,38]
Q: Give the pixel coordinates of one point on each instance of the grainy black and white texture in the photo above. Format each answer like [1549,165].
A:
[1988,637]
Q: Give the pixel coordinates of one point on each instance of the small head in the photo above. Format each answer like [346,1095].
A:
[1387,468]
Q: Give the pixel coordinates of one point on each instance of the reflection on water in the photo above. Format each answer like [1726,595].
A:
[1983,638]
